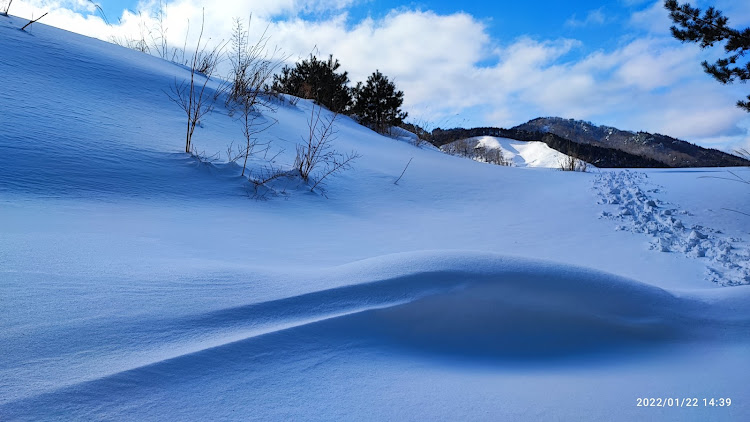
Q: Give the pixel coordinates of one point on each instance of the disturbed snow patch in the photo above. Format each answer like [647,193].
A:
[728,258]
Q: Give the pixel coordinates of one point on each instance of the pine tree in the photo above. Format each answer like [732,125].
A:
[377,103]
[707,30]
[317,80]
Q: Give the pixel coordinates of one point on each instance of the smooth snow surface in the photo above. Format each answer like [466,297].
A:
[140,283]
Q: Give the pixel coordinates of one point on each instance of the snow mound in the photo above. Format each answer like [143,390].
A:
[727,258]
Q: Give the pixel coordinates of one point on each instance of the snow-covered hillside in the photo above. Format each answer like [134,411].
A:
[510,152]
[139,283]
[524,154]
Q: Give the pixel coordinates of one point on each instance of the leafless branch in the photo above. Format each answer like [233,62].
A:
[316,159]
[34,20]
[402,173]
[264,176]
[251,67]
[203,157]
[7,8]
[192,96]
[736,178]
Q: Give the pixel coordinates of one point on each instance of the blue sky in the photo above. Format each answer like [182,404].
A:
[599,23]
[485,63]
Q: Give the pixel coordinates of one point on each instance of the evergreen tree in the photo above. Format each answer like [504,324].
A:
[707,30]
[377,103]
[318,80]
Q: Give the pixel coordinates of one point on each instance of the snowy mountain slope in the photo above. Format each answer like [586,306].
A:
[669,151]
[524,154]
[138,283]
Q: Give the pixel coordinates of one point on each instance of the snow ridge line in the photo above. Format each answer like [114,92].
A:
[727,259]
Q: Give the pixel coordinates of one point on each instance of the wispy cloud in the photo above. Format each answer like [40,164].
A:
[593,17]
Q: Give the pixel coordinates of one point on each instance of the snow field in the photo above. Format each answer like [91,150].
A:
[138,283]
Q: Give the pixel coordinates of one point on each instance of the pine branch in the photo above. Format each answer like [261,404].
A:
[708,29]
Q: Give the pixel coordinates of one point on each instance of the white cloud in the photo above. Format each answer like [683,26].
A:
[452,70]
[653,19]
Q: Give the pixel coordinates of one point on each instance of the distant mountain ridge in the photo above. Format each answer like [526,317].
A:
[671,152]
[597,155]
[602,146]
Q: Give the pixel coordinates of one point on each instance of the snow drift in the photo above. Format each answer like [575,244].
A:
[473,309]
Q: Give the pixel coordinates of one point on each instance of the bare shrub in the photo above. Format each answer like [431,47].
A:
[193,96]
[470,148]
[152,35]
[139,43]
[422,129]
[316,159]
[490,155]
[131,43]
[462,148]
[202,157]
[101,12]
[234,153]
[403,172]
[571,163]
[207,61]
[294,100]
[251,68]
[33,21]
[250,128]
[158,33]
[7,8]
[263,177]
